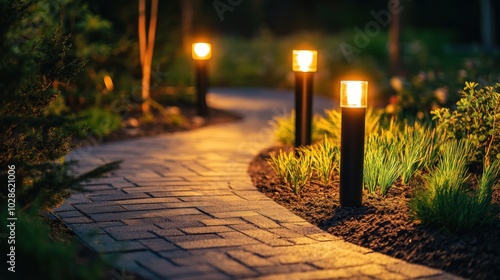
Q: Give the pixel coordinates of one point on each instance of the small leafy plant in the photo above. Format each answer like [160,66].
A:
[476,118]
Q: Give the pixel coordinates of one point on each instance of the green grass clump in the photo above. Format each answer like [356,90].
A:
[294,171]
[382,165]
[284,128]
[325,158]
[449,200]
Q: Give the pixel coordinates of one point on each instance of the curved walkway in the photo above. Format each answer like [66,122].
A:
[183,207]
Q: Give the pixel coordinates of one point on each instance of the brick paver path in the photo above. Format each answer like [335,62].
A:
[183,207]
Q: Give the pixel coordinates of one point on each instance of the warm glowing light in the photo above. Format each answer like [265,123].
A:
[353,93]
[108,82]
[202,51]
[305,61]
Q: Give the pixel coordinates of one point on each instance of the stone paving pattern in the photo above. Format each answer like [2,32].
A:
[183,207]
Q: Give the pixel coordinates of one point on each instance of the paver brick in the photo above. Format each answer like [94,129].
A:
[148,200]
[262,222]
[70,214]
[191,237]
[127,261]
[267,237]
[222,222]
[206,229]
[93,208]
[250,259]
[235,214]
[167,270]
[104,243]
[158,244]
[77,220]
[142,214]
[285,269]
[215,243]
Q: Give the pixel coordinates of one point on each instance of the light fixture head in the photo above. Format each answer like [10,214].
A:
[305,61]
[202,51]
[353,94]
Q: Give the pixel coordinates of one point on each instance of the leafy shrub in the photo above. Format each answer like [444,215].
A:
[448,200]
[477,119]
[100,121]
[35,142]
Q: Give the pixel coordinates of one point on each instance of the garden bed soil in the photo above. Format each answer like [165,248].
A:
[383,224]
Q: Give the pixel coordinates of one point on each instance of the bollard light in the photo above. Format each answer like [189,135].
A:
[201,52]
[304,64]
[353,96]
[305,61]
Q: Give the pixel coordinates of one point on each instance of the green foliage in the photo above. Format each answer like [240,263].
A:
[325,158]
[284,128]
[477,119]
[99,121]
[382,163]
[38,256]
[419,149]
[489,179]
[30,139]
[448,200]
[294,171]
[394,148]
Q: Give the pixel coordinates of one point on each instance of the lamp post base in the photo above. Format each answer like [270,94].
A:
[303,108]
[352,156]
[201,88]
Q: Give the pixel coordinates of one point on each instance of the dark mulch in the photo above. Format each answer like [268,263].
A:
[383,225]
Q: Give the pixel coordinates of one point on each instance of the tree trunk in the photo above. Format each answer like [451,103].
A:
[394,42]
[187,24]
[487,25]
[146,48]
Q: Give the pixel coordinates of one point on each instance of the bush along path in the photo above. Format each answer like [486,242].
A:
[182,206]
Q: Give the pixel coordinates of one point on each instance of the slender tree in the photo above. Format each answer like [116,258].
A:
[487,25]
[146,47]
[187,24]
[394,42]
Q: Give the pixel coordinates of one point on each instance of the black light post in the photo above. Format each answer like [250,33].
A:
[202,52]
[304,65]
[353,95]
